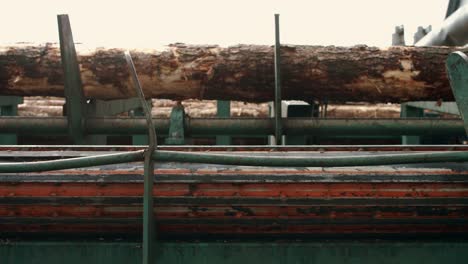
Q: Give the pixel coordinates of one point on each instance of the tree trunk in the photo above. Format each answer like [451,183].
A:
[242,73]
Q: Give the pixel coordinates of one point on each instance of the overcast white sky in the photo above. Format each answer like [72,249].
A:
[144,23]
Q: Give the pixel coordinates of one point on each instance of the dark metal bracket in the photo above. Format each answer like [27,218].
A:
[177,126]
[457,69]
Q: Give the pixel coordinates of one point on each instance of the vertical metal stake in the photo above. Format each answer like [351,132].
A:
[74,95]
[278,124]
[148,212]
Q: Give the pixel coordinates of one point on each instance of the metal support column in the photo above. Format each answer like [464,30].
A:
[223,111]
[296,109]
[410,111]
[278,124]
[176,134]
[148,177]
[9,107]
[75,106]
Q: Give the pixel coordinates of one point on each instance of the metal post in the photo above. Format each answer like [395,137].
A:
[410,111]
[9,107]
[148,178]
[75,105]
[296,109]
[278,124]
[223,111]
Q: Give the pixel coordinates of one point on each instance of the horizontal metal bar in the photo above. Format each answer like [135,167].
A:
[240,221]
[330,161]
[105,177]
[240,126]
[236,201]
[61,164]
[242,160]
[76,151]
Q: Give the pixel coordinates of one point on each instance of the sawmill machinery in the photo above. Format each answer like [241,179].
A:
[278,203]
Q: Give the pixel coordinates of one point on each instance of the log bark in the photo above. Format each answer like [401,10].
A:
[242,73]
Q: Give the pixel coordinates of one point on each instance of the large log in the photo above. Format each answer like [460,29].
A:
[243,73]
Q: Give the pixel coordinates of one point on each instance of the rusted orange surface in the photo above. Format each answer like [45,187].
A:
[294,190]
[236,212]
[250,201]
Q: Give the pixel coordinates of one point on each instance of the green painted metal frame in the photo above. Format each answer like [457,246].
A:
[225,252]
[9,100]
[223,111]
[9,107]
[76,107]
[350,252]
[410,111]
[176,135]
[239,126]
[75,100]
[149,229]
[457,68]
[417,110]
[441,107]
[277,104]
[295,110]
